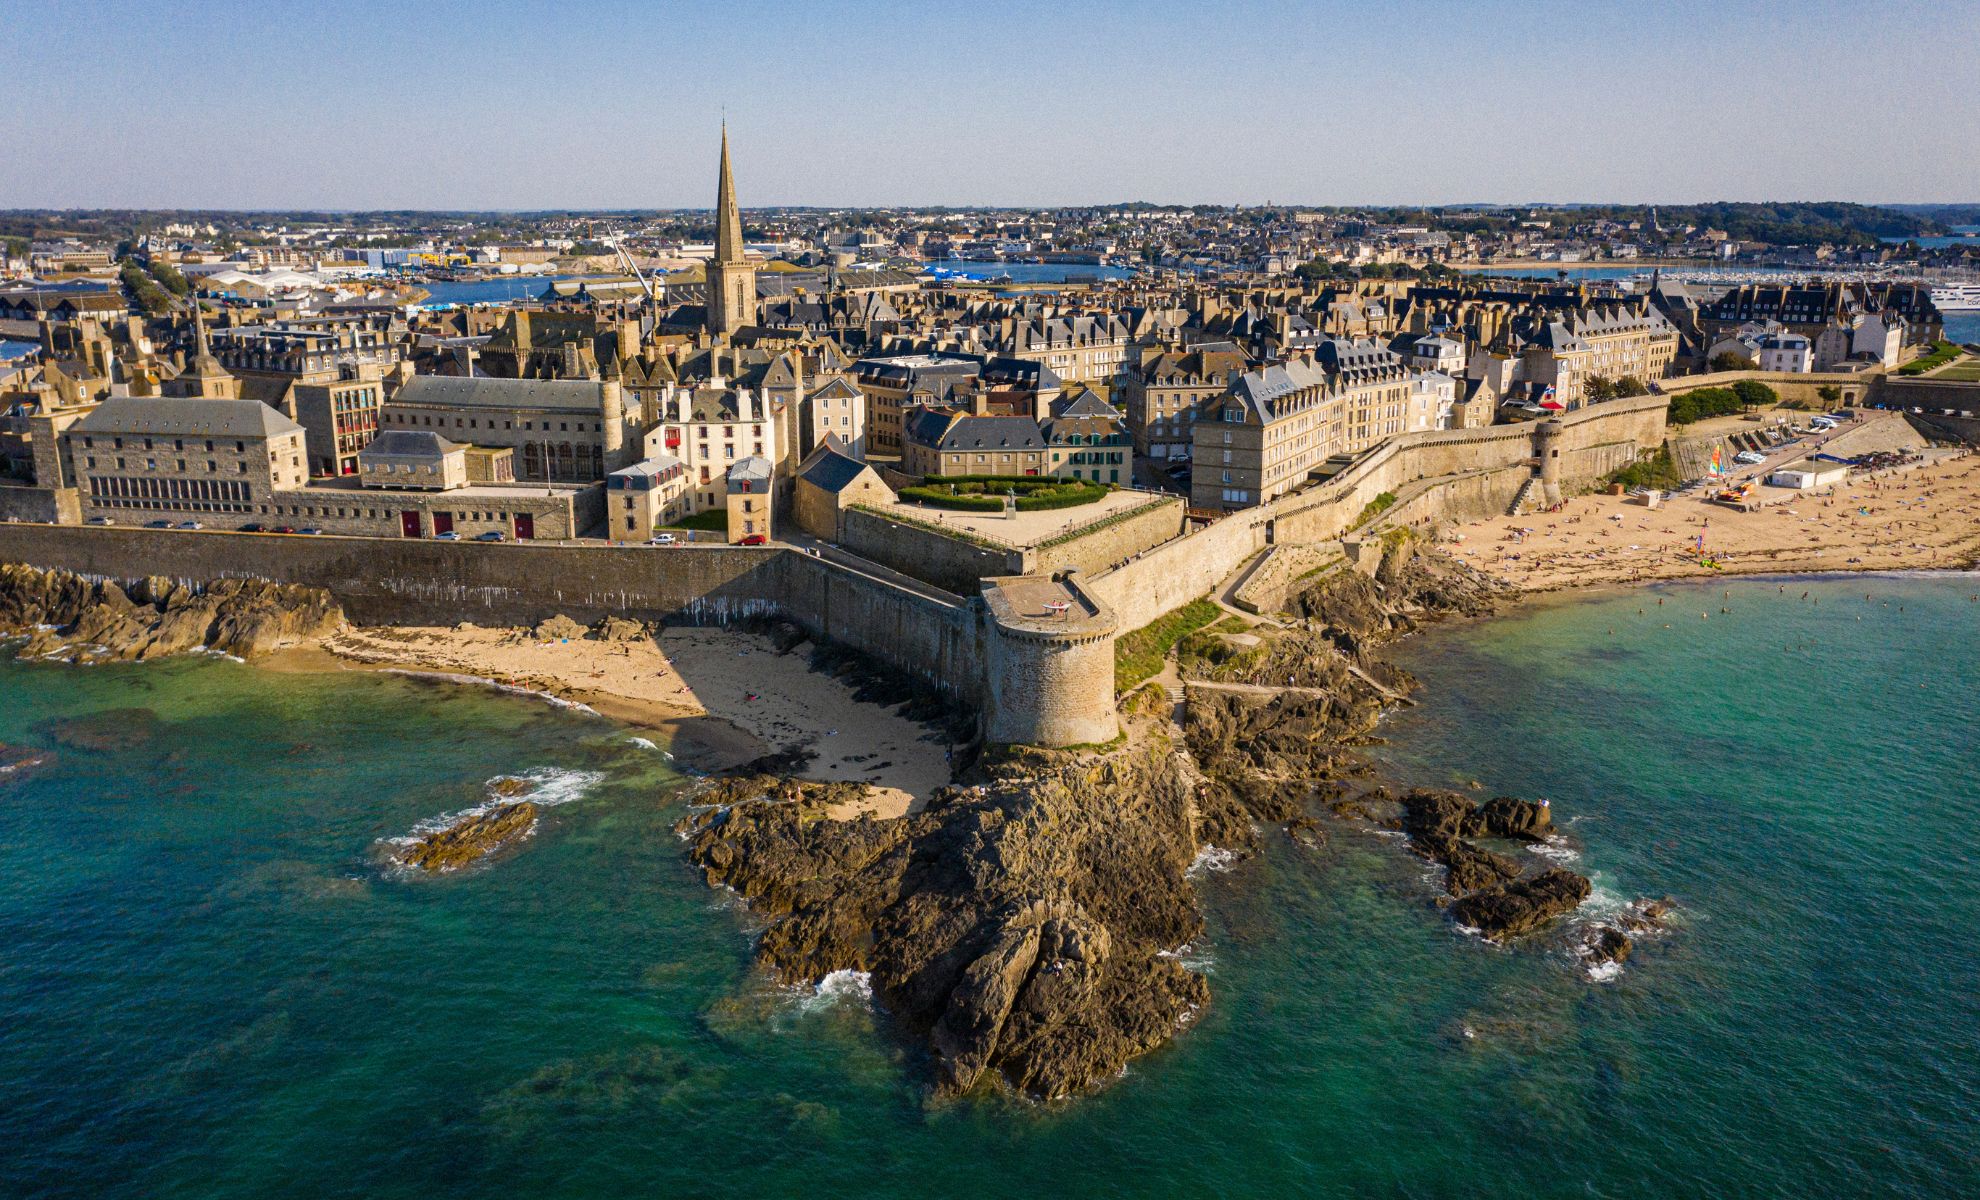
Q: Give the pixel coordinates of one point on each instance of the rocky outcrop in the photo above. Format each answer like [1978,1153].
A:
[1511,909]
[67,616]
[559,628]
[1019,925]
[474,836]
[1491,895]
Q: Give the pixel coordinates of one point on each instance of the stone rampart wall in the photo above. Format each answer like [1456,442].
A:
[403,581]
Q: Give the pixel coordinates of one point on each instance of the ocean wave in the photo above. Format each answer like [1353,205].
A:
[1556,849]
[1212,858]
[1192,957]
[1604,972]
[548,788]
[841,986]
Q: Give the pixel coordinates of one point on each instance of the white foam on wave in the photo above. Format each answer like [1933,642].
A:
[1557,849]
[1604,972]
[549,787]
[1192,957]
[841,986]
[643,743]
[1212,858]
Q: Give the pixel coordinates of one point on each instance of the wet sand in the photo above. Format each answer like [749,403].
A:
[720,698]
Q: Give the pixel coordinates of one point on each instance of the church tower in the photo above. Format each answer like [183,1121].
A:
[731,280]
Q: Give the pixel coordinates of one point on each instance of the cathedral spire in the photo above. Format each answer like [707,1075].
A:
[728,218]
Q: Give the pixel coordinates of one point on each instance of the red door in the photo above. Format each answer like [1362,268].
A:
[525,527]
[409,524]
[443,522]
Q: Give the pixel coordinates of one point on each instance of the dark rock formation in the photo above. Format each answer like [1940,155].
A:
[65,615]
[1439,822]
[1510,909]
[1018,925]
[472,837]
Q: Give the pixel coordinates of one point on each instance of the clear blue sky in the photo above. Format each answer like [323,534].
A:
[504,104]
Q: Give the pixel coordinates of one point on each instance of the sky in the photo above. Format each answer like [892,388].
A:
[503,104]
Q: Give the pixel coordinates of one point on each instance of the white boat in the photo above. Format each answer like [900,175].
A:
[1957,297]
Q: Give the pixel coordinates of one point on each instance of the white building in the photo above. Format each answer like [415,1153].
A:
[1786,352]
[836,408]
[709,429]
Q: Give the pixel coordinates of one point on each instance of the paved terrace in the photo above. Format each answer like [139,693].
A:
[1021,530]
[1041,604]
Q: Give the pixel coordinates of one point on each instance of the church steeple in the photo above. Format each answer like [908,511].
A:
[731,279]
[728,217]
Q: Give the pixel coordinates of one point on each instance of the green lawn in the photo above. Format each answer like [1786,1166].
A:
[715,520]
[1138,656]
[1967,371]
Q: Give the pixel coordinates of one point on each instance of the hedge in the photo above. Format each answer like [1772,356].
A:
[985,493]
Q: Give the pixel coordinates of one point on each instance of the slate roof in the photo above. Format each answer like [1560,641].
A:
[829,468]
[408,443]
[450,391]
[186,417]
[948,432]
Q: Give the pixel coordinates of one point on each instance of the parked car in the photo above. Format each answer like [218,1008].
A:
[190,525]
[662,539]
[312,531]
[493,535]
[754,539]
[1749,457]
[157,524]
[449,536]
[1845,414]
[285,529]
[254,527]
[101,521]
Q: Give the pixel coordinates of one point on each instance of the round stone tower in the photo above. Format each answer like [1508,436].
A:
[1547,447]
[1050,662]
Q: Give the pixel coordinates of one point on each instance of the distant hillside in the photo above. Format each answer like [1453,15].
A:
[1944,214]
[1781,224]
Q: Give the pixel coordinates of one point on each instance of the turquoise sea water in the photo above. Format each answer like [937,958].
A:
[208,987]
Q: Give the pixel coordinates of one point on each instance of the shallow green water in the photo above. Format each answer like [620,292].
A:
[208,987]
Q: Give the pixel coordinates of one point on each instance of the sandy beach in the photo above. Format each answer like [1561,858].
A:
[721,697]
[1927,517]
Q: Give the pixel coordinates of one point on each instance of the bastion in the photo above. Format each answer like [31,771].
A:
[1049,662]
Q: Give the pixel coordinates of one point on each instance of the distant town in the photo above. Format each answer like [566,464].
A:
[666,378]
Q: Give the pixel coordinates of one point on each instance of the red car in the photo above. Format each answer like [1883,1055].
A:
[754,539]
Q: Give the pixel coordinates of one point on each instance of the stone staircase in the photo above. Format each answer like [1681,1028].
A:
[1525,495]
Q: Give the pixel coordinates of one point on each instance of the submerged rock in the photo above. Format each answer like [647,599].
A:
[471,837]
[67,615]
[110,731]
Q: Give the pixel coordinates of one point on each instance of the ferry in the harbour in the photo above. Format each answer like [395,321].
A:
[1957,297]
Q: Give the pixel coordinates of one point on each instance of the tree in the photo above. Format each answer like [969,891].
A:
[1754,394]
[168,276]
[1630,385]
[1829,394]
[1728,360]
[1599,388]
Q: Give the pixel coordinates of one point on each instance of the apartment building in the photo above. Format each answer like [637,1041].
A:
[562,430]
[1162,392]
[709,429]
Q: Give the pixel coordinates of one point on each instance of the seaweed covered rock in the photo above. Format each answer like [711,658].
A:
[472,837]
